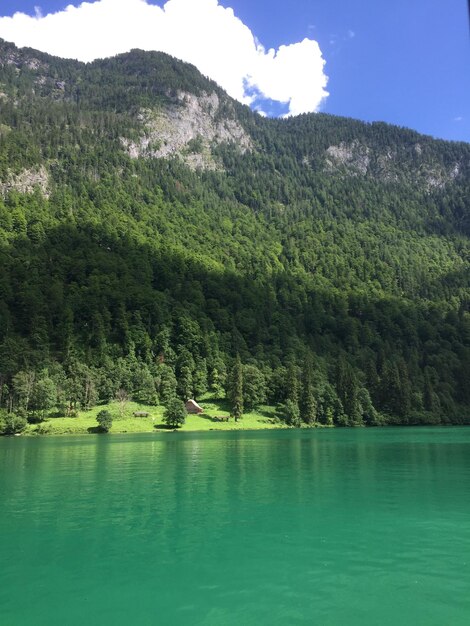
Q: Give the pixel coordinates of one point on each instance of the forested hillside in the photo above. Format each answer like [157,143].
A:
[152,230]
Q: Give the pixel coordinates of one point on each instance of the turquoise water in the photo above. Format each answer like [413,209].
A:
[340,527]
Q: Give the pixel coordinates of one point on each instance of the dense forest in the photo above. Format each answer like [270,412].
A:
[323,268]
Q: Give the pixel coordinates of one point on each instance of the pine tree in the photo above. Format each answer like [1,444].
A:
[430,399]
[184,374]
[308,404]
[254,386]
[395,388]
[293,383]
[175,413]
[200,378]
[347,389]
[165,383]
[236,389]
[291,413]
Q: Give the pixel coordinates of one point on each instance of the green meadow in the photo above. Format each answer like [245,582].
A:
[124,420]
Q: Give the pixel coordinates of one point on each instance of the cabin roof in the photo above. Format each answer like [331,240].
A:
[192,403]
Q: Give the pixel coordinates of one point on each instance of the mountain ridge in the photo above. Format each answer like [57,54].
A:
[353,157]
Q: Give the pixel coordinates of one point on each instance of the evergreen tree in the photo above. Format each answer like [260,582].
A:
[290,413]
[217,381]
[235,391]
[308,404]
[330,409]
[395,389]
[277,385]
[165,383]
[370,416]
[175,413]
[200,378]
[292,383]
[254,387]
[430,400]
[44,396]
[347,389]
[185,367]
[144,386]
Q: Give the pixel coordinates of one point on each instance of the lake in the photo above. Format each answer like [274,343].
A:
[329,527]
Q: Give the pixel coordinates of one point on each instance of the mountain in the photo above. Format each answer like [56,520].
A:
[152,228]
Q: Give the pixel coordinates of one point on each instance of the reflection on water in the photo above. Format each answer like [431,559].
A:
[329,527]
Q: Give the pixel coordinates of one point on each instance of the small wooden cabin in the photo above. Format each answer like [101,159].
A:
[193,407]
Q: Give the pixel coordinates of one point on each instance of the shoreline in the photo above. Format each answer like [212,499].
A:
[160,429]
[32,434]
[264,418]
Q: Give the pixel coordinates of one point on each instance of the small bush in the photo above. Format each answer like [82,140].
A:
[12,424]
[105,420]
[35,418]
[43,429]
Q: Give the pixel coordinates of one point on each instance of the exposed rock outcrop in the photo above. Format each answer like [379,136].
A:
[358,159]
[354,156]
[27,181]
[188,130]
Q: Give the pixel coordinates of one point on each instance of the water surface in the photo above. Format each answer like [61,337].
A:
[365,526]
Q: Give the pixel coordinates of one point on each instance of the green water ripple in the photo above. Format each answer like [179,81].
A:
[285,527]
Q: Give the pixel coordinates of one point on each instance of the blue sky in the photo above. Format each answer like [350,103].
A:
[406,62]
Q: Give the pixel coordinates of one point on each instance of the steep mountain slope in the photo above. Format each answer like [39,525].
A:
[152,228]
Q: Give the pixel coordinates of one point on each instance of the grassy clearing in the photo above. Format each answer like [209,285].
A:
[262,418]
[125,422]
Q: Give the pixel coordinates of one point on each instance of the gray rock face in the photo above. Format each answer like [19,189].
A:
[27,181]
[358,159]
[188,131]
[18,60]
[354,156]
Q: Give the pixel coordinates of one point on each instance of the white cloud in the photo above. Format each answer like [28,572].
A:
[201,32]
